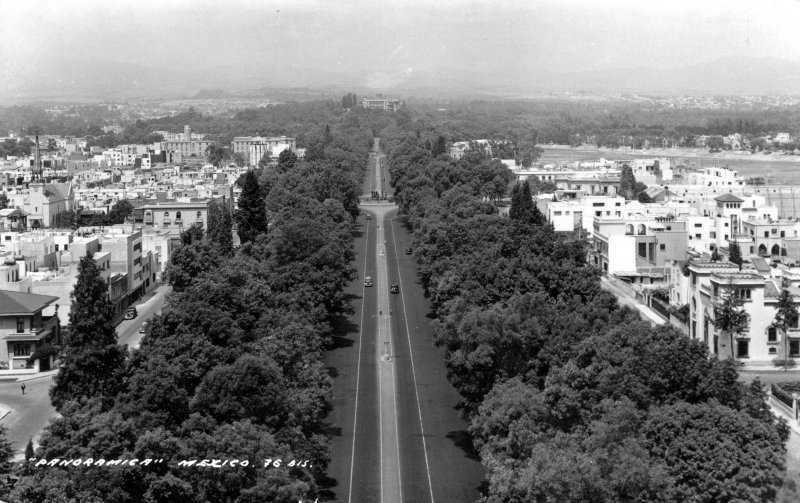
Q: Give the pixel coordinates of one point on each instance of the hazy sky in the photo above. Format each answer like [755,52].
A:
[352,35]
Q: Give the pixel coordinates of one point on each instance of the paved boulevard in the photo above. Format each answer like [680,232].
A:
[399,436]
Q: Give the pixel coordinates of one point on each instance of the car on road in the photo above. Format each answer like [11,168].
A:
[408,251]
[367,280]
[131,313]
[369,217]
[144,326]
[395,289]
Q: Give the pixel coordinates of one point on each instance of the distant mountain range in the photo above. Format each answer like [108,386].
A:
[65,79]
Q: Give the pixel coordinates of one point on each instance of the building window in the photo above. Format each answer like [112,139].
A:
[698,225]
[742,349]
[766,234]
[662,247]
[794,348]
[772,334]
[557,213]
[20,325]
[643,250]
[698,236]
[200,215]
[177,215]
[22,349]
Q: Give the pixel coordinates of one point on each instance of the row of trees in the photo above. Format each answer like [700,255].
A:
[571,397]
[230,369]
[604,124]
[72,219]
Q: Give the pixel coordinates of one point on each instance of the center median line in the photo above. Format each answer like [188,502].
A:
[391,486]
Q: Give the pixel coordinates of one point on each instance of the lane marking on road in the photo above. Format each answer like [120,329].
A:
[358,368]
[391,473]
[411,358]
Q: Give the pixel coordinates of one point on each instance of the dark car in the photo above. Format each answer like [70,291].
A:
[395,289]
[131,313]
[408,251]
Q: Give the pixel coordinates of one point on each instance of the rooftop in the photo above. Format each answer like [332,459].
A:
[18,303]
[728,198]
[737,277]
[713,265]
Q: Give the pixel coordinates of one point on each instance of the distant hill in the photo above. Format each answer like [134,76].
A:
[114,80]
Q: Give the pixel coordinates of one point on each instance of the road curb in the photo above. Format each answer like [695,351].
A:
[4,411]
[40,375]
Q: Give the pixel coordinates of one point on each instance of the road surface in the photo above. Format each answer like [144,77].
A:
[399,437]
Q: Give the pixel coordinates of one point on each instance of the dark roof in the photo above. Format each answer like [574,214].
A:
[18,303]
[770,290]
[761,264]
[59,190]
[728,198]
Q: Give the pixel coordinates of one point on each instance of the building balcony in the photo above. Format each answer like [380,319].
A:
[48,328]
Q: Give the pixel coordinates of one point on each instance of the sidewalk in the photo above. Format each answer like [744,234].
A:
[626,296]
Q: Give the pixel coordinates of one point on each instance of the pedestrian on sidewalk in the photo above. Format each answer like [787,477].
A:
[23,388]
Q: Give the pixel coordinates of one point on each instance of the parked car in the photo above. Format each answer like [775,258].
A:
[369,217]
[395,289]
[367,280]
[131,313]
[408,251]
[144,326]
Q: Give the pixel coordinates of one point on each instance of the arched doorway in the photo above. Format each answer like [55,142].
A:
[776,250]
[762,249]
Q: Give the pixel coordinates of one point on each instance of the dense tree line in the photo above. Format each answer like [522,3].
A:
[571,397]
[607,124]
[232,367]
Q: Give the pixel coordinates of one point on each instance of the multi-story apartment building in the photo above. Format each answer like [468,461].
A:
[23,329]
[715,177]
[640,249]
[254,148]
[187,146]
[175,216]
[760,343]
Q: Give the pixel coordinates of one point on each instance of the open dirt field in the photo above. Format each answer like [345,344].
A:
[774,166]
